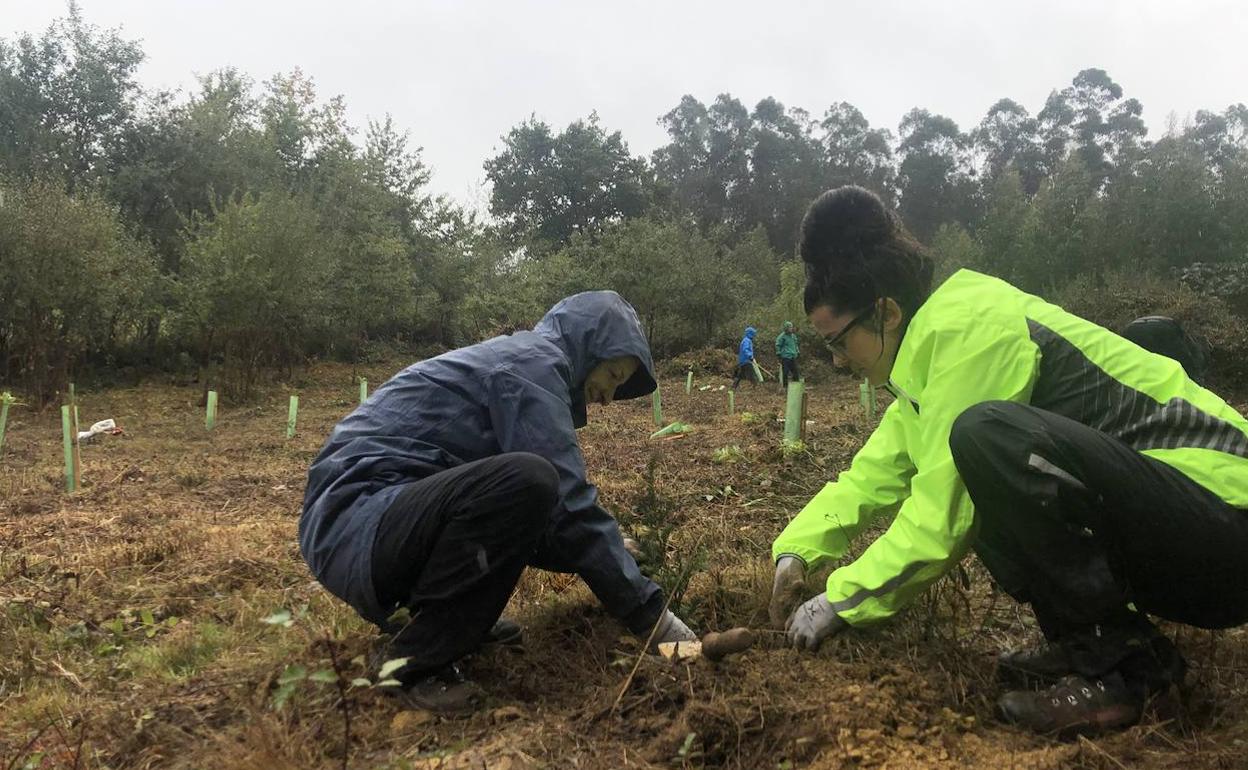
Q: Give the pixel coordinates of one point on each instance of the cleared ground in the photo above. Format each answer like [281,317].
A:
[133,633]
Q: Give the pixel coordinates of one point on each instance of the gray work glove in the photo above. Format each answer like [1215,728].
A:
[787,589]
[812,622]
[671,629]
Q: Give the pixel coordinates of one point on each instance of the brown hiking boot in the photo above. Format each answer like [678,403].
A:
[1075,706]
[444,690]
[1039,665]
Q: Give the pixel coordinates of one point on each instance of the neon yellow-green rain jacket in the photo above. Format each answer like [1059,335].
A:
[979,339]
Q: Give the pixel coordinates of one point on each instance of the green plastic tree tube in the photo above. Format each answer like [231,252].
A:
[6,399]
[688,381]
[658,407]
[732,402]
[68,441]
[671,430]
[210,416]
[793,413]
[363,389]
[866,397]
[292,416]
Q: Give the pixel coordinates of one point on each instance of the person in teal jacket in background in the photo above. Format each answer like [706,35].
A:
[786,351]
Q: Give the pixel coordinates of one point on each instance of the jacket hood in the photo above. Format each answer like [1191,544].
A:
[590,328]
[750,331]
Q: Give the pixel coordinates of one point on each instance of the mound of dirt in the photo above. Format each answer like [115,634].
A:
[704,361]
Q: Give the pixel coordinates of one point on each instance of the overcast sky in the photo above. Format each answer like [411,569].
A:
[458,75]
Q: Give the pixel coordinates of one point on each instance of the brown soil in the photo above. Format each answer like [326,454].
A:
[175,522]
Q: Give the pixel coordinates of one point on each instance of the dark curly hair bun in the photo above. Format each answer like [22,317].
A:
[856,251]
[841,225]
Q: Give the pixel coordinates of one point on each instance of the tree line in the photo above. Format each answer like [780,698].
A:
[245,227]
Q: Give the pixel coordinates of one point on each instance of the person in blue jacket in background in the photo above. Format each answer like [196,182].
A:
[463,469]
[745,359]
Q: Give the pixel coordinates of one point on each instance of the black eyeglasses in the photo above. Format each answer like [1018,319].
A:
[836,343]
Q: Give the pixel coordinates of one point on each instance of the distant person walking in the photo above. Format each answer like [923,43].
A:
[745,359]
[786,351]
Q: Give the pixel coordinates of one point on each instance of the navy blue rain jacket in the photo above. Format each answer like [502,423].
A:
[746,352]
[519,393]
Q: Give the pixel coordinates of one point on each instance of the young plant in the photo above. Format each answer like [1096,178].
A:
[654,523]
[295,675]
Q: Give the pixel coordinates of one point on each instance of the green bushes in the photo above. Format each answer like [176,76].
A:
[72,280]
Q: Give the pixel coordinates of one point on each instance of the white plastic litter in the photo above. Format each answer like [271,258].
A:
[103,426]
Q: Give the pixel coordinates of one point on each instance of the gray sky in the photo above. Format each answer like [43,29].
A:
[458,75]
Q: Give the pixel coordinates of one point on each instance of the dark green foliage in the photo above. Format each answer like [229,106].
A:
[251,227]
[250,273]
[72,280]
[549,187]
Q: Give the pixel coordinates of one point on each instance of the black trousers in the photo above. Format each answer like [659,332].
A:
[788,371]
[451,548]
[1080,525]
[744,370]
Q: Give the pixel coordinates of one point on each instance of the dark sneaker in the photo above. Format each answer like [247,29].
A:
[443,690]
[506,632]
[1075,706]
[1039,665]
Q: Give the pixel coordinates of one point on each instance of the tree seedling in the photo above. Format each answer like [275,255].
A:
[294,675]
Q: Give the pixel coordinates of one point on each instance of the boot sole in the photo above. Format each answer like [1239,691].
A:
[458,700]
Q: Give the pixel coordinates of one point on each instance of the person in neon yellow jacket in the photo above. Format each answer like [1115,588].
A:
[1093,478]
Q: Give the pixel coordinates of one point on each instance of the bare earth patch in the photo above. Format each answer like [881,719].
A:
[133,633]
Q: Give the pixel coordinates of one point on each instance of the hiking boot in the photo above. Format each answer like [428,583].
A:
[1075,706]
[1150,659]
[1039,665]
[506,632]
[443,690]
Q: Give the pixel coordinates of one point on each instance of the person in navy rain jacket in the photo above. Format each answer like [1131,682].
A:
[463,469]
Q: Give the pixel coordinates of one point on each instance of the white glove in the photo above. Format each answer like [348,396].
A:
[812,622]
[786,589]
[671,629]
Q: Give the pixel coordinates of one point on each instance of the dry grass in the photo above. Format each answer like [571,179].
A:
[176,523]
